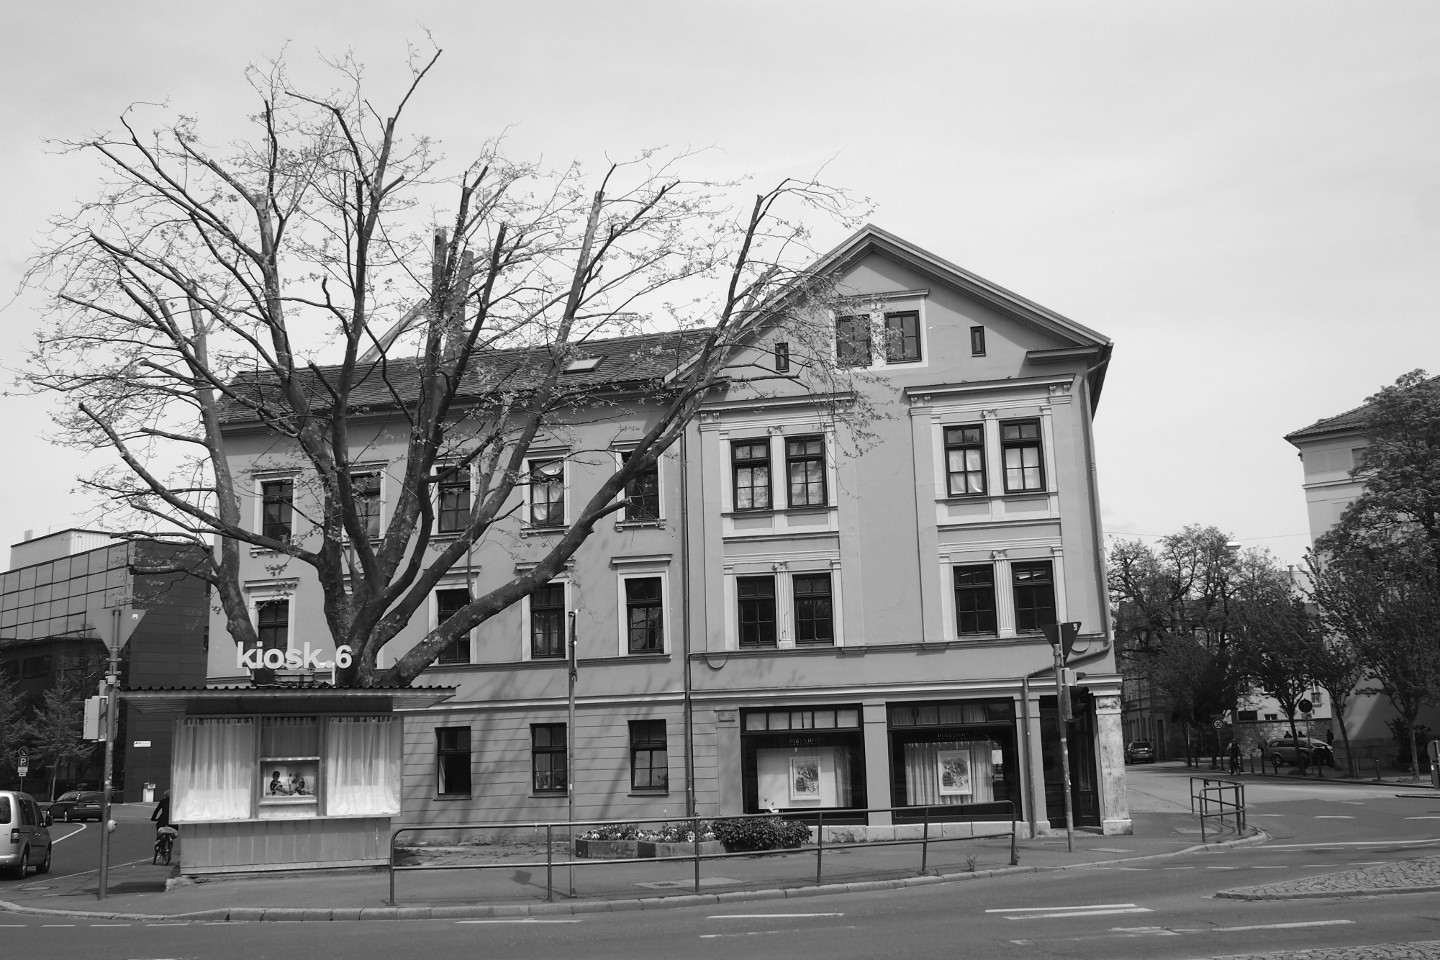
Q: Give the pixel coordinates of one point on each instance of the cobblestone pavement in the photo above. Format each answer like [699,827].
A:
[1415,950]
[1408,876]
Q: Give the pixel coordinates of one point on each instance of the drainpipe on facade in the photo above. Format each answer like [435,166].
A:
[689,705]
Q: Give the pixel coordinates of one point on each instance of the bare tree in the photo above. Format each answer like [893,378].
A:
[297,283]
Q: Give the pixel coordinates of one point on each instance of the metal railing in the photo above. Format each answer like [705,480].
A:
[1216,800]
[564,833]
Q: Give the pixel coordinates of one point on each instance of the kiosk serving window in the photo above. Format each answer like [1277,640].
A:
[286,767]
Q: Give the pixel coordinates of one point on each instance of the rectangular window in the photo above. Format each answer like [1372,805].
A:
[365,487]
[814,613]
[455,501]
[447,603]
[965,460]
[975,600]
[278,497]
[782,357]
[547,757]
[643,614]
[756,611]
[547,622]
[977,341]
[547,493]
[1020,450]
[1034,595]
[642,493]
[649,756]
[852,341]
[452,761]
[272,624]
[902,337]
[750,470]
[805,471]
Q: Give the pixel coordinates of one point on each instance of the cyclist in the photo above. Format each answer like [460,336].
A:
[163,828]
[1233,751]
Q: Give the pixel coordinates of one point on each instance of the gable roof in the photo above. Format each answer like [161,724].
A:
[1080,340]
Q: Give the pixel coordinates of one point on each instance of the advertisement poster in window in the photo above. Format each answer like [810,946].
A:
[953,767]
[805,778]
[289,781]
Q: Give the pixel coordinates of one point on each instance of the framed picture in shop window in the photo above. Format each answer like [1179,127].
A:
[289,780]
[953,769]
[805,778]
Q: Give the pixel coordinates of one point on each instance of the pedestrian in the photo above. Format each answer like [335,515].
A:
[1330,736]
[1233,752]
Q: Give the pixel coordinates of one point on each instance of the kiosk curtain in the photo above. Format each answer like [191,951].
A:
[213,770]
[362,769]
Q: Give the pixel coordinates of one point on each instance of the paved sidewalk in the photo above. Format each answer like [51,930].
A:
[140,891]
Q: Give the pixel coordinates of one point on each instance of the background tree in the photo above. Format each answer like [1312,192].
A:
[1173,621]
[1376,590]
[1277,638]
[57,727]
[298,280]
[14,731]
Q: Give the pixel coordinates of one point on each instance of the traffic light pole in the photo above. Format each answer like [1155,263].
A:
[1062,711]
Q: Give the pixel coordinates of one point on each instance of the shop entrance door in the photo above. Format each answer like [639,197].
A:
[1084,789]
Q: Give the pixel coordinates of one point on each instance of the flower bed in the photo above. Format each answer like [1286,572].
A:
[613,841]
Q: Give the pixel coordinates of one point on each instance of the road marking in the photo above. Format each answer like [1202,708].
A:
[1422,818]
[520,920]
[1333,816]
[116,924]
[769,916]
[1352,843]
[57,924]
[1222,868]
[1268,866]
[1048,913]
[1268,926]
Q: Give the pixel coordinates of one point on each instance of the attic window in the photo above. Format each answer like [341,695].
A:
[583,365]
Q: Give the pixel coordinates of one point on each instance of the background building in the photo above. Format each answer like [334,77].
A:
[55,622]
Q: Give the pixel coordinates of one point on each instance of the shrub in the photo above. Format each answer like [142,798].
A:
[612,831]
[760,833]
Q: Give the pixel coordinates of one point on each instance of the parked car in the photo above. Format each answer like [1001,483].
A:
[78,805]
[24,840]
[1285,749]
[1139,751]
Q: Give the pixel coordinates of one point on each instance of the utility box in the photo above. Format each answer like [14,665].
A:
[148,793]
[94,727]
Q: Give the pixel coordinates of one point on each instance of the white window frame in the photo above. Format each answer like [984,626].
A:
[379,469]
[641,568]
[264,591]
[525,651]
[436,502]
[433,615]
[900,302]
[259,493]
[622,520]
[541,457]
[784,573]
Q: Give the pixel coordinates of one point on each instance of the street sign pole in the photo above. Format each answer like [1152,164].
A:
[22,766]
[122,621]
[1062,713]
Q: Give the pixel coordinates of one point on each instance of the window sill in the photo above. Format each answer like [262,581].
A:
[640,524]
[529,531]
[649,792]
[549,795]
[780,511]
[442,797]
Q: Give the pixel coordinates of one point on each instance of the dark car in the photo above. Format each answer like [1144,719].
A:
[1286,749]
[1139,751]
[77,805]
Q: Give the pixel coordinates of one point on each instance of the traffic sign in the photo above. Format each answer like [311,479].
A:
[22,763]
[1219,724]
[1305,706]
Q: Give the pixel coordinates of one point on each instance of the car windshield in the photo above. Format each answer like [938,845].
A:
[70,796]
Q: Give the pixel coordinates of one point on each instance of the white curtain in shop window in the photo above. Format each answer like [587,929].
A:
[362,767]
[213,770]
[922,776]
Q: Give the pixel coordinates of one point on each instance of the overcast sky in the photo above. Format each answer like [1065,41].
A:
[1245,197]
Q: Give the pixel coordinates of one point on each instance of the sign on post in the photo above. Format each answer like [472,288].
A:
[22,763]
[1062,635]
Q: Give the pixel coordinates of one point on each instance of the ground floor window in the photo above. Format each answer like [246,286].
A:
[803,759]
[547,757]
[452,761]
[649,756]
[953,752]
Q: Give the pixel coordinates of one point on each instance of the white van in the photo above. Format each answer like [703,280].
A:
[24,841]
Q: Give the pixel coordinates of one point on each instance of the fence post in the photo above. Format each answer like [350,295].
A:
[925,843]
[549,856]
[393,834]
[1014,851]
[819,843]
[695,832]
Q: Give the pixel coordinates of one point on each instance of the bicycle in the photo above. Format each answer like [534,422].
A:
[164,843]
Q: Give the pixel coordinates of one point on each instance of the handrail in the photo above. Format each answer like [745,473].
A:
[1217,799]
[821,845]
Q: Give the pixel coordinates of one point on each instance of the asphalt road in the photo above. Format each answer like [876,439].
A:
[1163,909]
